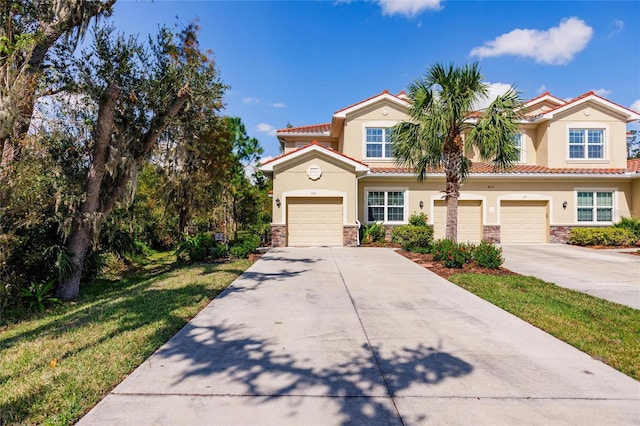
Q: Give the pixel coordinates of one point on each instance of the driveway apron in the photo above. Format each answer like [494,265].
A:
[607,274]
[336,336]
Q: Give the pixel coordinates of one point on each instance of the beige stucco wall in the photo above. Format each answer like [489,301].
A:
[290,144]
[587,115]
[380,114]
[491,192]
[635,198]
[290,179]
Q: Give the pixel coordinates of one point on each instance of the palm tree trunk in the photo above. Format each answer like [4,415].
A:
[452,162]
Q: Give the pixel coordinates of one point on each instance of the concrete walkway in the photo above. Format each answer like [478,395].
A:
[606,273]
[364,337]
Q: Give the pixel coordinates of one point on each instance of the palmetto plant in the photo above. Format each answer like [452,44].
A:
[439,119]
[39,295]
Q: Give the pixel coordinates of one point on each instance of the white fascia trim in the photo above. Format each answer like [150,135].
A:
[551,98]
[359,167]
[383,96]
[631,115]
[305,134]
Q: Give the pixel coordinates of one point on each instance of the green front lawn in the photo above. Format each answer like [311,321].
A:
[57,365]
[605,330]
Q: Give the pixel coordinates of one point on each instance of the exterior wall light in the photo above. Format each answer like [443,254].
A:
[421,204]
[278,202]
[564,205]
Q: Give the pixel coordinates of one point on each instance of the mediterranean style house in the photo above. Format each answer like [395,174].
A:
[573,171]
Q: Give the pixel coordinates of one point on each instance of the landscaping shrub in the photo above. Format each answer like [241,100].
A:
[244,244]
[601,237]
[488,255]
[452,254]
[411,237]
[632,224]
[418,219]
[198,248]
[373,232]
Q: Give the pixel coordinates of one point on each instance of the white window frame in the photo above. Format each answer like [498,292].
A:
[594,207]
[585,127]
[382,124]
[520,137]
[386,206]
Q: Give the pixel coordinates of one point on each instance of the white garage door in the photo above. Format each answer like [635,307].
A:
[314,221]
[523,222]
[469,221]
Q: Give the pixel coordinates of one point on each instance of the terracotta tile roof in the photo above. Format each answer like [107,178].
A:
[308,145]
[312,129]
[484,168]
[633,165]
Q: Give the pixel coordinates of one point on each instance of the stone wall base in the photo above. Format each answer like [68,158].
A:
[350,235]
[278,235]
[491,233]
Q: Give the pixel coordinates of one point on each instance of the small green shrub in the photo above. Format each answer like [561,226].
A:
[38,295]
[196,248]
[412,236]
[244,244]
[373,232]
[418,219]
[487,255]
[452,254]
[601,237]
[632,224]
[421,250]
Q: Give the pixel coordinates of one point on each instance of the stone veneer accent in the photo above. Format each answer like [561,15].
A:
[560,234]
[350,234]
[491,233]
[278,235]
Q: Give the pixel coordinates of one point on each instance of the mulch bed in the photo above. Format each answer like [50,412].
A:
[426,261]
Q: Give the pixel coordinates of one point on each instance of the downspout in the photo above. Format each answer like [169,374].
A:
[356,211]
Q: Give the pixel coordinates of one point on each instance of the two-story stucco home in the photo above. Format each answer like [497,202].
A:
[572,171]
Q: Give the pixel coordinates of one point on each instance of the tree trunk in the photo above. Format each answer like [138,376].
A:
[90,217]
[452,161]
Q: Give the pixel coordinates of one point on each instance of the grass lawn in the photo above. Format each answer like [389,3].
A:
[56,365]
[605,330]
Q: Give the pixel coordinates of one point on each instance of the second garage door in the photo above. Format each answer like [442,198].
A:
[524,222]
[469,221]
[314,221]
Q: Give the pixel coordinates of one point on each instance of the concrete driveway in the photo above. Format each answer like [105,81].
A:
[607,274]
[363,336]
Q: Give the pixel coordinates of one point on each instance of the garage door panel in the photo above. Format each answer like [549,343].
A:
[469,220]
[524,222]
[314,221]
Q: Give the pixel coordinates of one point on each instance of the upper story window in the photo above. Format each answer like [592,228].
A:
[519,144]
[586,144]
[378,143]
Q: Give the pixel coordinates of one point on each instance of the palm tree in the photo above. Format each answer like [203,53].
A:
[441,103]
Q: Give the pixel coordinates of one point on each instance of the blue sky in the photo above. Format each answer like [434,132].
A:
[300,61]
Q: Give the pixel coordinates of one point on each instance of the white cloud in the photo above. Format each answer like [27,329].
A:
[266,128]
[278,105]
[602,92]
[408,8]
[250,101]
[617,27]
[542,89]
[636,106]
[494,90]
[555,46]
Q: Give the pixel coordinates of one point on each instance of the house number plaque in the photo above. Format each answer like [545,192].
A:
[314,172]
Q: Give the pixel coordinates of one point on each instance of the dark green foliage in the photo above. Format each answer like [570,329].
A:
[199,248]
[244,244]
[411,237]
[39,294]
[418,219]
[487,255]
[601,237]
[631,224]
[372,232]
[452,254]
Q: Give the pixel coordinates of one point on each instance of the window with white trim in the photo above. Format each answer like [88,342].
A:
[518,142]
[586,144]
[595,206]
[385,206]
[378,142]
